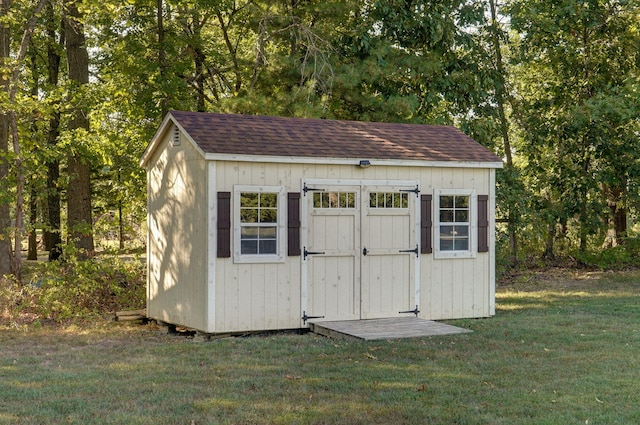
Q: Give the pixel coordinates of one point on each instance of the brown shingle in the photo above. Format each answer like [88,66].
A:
[303,137]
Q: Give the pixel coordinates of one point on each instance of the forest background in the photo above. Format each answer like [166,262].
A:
[551,86]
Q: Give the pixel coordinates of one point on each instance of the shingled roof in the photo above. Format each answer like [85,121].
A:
[315,138]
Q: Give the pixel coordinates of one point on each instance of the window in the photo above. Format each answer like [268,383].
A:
[454,223]
[388,200]
[334,200]
[258,230]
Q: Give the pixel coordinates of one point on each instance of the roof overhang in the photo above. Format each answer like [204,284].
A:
[167,124]
[169,121]
[349,161]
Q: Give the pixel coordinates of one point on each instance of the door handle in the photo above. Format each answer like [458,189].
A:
[364,251]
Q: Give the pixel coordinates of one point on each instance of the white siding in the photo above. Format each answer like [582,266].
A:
[177,249]
[184,275]
[267,296]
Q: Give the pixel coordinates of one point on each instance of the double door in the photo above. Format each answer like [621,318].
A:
[360,253]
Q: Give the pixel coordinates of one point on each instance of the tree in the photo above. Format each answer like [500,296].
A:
[5,216]
[576,60]
[79,212]
[10,77]
[54,46]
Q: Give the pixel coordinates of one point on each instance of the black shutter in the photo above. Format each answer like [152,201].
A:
[293,224]
[483,223]
[425,224]
[224,224]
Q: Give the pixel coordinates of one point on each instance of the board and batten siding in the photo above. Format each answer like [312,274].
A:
[268,296]
[177,243]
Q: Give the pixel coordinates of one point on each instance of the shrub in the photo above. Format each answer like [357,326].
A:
[75,289]
[618,257]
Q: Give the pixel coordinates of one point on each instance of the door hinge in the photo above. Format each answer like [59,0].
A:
[416,190]
[305,317]
[414,250]
[306,189]
[305,252]
[414,311]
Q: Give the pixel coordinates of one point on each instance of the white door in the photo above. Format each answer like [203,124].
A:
[332,253]
[389,251]
[360,251]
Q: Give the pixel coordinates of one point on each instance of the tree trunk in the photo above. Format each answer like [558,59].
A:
[120,226]
[616,219]
[162,59]
[79,212]
[32,252]
[504,126]
[549,241]
[32,240]
[5,214]
[53,235]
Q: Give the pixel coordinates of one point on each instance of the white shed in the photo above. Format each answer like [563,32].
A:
[264,223]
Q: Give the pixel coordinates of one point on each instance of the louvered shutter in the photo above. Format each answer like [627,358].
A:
[293,224]
[426,224]
[483,223]
[224,225]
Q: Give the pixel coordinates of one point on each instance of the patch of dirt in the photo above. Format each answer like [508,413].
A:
[566,278]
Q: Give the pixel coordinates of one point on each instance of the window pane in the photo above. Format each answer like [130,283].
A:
[249,232]
[446,202]
[249,200]
[248,215]
[446,216]
[461,231]
[462,202]
[447,231]
[325,200]
[342,200]
[351,200]
[333,200]
[268,215]
[462,216]
[446,244]
[461,245]
[249,246]
[268,246]
[317,200]
[268,200]
[267,232]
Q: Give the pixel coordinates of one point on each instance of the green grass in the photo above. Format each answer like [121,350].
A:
[558,351]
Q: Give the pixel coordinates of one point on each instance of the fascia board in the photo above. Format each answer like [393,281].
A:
[349,161]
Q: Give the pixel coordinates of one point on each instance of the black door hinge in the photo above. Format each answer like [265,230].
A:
[305,252]
[416,190]
[305,317]
[414,311]
[306,189]
[414,250]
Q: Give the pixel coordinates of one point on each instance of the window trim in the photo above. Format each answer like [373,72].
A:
[281,225]
[473,214]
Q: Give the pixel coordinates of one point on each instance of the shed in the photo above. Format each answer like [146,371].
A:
[265,223]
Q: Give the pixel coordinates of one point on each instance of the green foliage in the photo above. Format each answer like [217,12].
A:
[615,258]
[83,289]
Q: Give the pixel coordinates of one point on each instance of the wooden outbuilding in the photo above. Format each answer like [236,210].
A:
[265,223]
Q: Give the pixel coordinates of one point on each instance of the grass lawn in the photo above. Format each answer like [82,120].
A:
[561,350]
